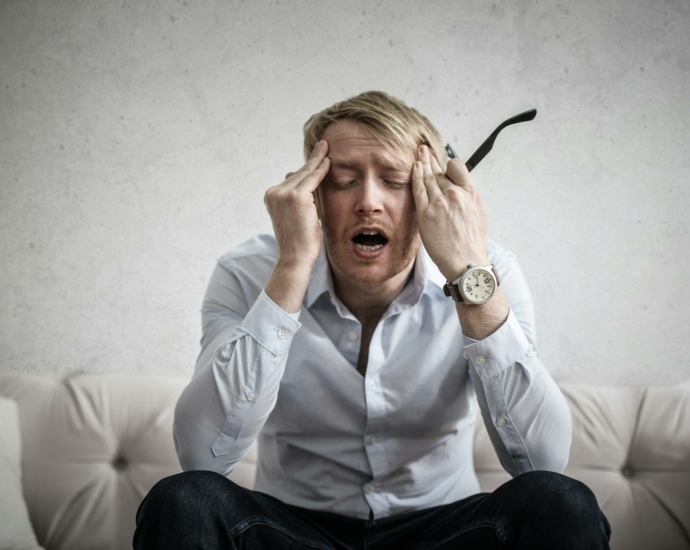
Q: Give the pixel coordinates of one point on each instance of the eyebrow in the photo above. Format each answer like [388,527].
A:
[384,162]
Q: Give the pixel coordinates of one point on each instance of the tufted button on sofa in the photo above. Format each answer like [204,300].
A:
[93,446]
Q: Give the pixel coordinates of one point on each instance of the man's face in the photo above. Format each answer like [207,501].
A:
[366,187]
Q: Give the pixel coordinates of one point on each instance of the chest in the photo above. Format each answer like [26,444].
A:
[415,382]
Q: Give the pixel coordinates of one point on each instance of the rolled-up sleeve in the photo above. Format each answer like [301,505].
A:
[526,415]
[237,376]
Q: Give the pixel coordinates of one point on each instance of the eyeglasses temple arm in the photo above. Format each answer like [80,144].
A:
[488,144]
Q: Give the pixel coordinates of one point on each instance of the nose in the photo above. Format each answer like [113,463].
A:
[369,197]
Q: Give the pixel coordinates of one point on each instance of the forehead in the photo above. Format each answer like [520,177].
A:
[350,144]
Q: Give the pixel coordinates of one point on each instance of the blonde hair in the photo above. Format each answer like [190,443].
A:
[399,127]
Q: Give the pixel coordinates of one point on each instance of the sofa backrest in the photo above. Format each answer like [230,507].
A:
[94,445]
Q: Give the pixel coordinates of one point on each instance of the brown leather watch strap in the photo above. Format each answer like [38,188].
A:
[451,290]
[498,279]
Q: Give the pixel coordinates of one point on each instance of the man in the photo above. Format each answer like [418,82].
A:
[337,345]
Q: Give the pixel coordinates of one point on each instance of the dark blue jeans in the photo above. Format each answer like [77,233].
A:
[536,510]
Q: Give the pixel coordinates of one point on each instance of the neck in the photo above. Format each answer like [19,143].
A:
[368,303]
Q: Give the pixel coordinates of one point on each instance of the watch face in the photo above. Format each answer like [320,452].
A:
[478,285]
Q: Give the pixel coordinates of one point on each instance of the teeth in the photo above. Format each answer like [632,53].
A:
[370,232]
[365,247]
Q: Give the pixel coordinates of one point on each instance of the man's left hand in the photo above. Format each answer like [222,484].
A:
[450,214]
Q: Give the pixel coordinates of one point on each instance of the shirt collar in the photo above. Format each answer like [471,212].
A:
[425,270]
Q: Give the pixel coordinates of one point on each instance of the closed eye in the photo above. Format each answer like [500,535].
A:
[394,184]
[343,185]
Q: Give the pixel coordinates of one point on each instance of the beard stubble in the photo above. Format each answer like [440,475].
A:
[402,250]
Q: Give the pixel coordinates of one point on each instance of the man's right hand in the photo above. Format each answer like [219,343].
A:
[292,208]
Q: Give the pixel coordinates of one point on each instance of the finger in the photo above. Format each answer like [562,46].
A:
[430,182]
[443,181]
[419,191]
[317,155]
[435,166]
[288,175]
[459,175]
[312,180]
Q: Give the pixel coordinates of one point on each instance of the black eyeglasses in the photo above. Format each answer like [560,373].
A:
[485,147]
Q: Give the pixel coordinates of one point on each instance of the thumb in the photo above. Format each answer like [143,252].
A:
[457,172]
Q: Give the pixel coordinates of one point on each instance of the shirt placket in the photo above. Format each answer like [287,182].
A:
[373,490]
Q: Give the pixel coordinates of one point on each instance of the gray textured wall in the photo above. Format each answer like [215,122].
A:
[137,140]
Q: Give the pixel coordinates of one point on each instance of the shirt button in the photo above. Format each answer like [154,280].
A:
[352,335]
[369,488]
[251,396]
[501,421]
[371,439]
[372,384]
[480,360]
[282,334]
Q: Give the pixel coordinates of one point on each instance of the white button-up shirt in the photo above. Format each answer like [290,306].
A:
[396,440]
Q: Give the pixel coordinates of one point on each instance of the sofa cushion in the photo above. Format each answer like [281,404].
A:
[631,446]
[16,532]
[93,446]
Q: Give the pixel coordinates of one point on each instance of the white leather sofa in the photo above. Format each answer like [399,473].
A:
[93,445]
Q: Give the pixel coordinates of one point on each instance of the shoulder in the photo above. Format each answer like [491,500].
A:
[509,270]
[255,257]
[258,246]
[514,285]
[501,257]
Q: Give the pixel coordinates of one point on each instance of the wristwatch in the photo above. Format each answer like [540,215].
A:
[475,286]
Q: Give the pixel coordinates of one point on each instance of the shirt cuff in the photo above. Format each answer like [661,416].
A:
[270,325]
[498,351]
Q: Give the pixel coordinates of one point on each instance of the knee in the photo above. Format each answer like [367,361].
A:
[184,508]
[551,510]
[556,497]
[190,493]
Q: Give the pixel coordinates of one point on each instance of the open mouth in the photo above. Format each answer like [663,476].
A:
[370,240]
